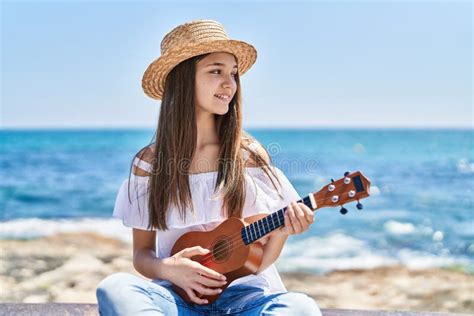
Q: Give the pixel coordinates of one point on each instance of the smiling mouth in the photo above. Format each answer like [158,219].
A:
[223,98]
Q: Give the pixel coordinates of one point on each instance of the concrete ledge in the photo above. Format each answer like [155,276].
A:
[91,309]
[47,309]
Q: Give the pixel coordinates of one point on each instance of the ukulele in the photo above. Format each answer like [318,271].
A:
[235,250]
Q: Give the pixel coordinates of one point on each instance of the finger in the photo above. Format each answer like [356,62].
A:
[194,251]
[263,240]
[194,298]
[205,290]
[300,214]
[211,273]
[290,216]
[287,228]
[308,213]
[294,218]
[210,282]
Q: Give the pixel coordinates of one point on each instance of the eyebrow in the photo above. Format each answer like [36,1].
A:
[219,64]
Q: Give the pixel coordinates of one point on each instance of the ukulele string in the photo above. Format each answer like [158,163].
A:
[207,258]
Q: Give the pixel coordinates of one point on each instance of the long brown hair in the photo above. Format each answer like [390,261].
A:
[174,146]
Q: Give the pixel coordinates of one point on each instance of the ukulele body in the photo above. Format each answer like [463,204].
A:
[228,254]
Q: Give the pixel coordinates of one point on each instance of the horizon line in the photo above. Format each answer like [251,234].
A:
[257,127]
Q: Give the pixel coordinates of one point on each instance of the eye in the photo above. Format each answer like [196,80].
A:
[219,71]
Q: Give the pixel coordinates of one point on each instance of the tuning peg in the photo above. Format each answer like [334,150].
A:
[343,211]
[359,205]
[332,180]
[346,173]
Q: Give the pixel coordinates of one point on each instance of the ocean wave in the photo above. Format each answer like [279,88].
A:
[335,251]
[398,228]
[465,166]
[341,252]
[422,260]
[30,228]
[374,190]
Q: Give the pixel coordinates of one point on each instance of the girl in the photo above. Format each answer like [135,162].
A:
[201,169]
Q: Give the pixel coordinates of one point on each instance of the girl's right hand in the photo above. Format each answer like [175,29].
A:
[192,276]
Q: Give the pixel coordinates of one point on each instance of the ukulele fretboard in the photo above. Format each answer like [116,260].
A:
[266,225]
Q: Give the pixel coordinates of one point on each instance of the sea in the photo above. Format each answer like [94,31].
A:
[420,212]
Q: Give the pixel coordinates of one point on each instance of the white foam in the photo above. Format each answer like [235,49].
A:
[464,166]
[336,251]
[374,190]
[399,228]
[405,229]
[33,228]
[422,260]
[334,245]
[438,235]
[340,252]
[365,261]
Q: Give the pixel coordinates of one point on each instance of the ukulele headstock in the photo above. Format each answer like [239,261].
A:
[352,187]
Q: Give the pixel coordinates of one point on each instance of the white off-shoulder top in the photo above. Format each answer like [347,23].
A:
[261,198]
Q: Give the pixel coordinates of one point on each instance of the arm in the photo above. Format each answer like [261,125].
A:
[145,260]
[179,269]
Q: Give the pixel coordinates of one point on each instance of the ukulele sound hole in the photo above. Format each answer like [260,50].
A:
[221,250]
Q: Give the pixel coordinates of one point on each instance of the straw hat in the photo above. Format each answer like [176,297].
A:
[192,39]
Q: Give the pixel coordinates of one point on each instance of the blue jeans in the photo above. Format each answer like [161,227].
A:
[127,294]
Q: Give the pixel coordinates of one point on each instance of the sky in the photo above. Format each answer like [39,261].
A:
[341,64]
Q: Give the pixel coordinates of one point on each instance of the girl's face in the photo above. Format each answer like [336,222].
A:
[215,83]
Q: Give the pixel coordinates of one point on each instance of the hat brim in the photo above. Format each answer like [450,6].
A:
[153,81]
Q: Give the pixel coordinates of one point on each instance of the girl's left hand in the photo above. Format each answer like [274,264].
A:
[298,217]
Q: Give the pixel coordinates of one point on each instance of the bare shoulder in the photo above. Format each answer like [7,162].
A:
[146,154]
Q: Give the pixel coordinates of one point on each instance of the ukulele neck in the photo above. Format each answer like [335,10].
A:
[266,225]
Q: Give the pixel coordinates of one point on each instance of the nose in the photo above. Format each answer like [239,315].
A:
[229,82]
